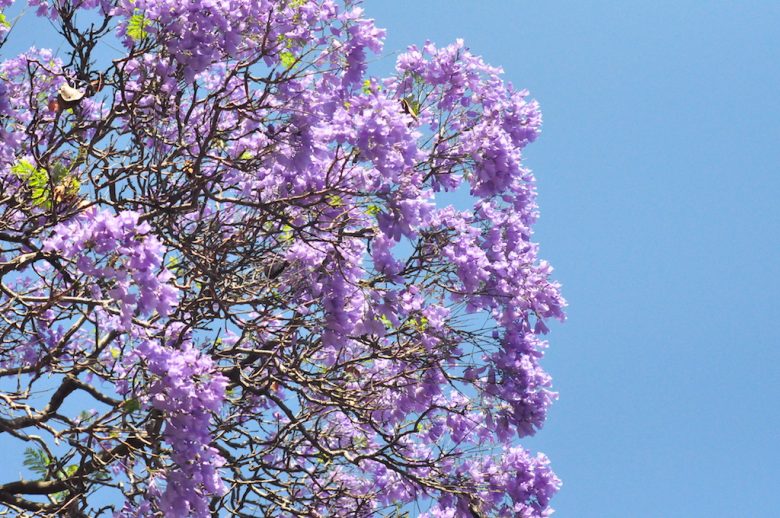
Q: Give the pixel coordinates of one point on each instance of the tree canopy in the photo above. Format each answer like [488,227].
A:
[235,282]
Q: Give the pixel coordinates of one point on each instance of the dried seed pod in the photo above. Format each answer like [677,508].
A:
[96,85]
[408,109]
[68,97]
[70,94]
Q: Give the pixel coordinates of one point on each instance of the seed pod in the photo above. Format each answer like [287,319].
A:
[96,85]
[68,97]
[70,94]
[275,268]
[408,109]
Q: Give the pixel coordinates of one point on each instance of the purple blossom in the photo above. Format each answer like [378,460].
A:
[187,389]
[262,262]
[116,248]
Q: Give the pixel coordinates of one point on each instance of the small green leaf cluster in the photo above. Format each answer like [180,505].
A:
[136,26]
[40,182]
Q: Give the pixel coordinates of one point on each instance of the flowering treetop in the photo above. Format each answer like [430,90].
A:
[228,242]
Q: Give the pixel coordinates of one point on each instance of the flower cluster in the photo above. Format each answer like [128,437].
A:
[118,250]
[187,388]
[21,98]
[296,269]
[199,33]
[515,484]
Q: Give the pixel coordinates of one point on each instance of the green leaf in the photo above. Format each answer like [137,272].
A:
[132,405]
[73,186]
[386,321]
[373,210]
[58,172]
[36,461]
[4,21]
[334,200]
[368,87]
[246,155]
[287,233]
[421,324]
[136,27]
[287,58]
[37,180]
[23,169]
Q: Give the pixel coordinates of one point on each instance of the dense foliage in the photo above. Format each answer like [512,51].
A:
[233,281]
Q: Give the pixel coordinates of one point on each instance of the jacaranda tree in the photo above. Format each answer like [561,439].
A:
[234,282]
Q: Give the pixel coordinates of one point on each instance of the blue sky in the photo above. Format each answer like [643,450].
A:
[658,178]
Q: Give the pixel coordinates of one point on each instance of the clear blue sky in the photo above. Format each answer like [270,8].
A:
[658,177]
